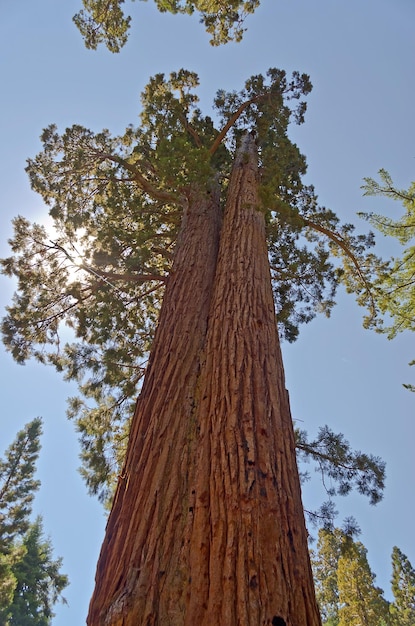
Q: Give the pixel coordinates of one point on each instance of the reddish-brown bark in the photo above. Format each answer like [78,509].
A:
[141,553]
[249,556]
[207,525]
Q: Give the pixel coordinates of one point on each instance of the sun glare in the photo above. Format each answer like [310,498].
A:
[72,253]
[75,263]
[75,252]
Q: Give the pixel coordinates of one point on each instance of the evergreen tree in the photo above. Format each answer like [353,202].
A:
[325,560]
[395,284]
[403,587]
[105,21]
[117,205]
[39,582]
[17,490]
[345,587]
[30,582]
[17,482]
[361,602]
[8,581]
[207,523]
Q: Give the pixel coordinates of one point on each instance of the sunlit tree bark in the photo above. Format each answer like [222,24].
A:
[143,543]
[207,525]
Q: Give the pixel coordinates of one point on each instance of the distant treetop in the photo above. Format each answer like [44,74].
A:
[104,21]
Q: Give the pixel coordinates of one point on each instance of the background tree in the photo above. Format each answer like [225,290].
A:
[17,490]
[30,581]
[39,583]
[17,482]
[345,584]
[402,609]
[325,561]
[361,602]
[395,284]
[104,20]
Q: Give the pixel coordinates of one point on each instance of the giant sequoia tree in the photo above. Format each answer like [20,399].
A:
[206,524]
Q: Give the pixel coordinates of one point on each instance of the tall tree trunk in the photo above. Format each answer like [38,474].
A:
[207,525]
[249,555]
[141,552]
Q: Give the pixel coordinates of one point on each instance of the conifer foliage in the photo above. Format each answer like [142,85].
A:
[396,286]
[360,600]
[104,21]
[211,218]
[395,283]
[17,482]
[345,584]
[403,588]
[30,579]
[118,203]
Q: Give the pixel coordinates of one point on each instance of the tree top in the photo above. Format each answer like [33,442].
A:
[104,21]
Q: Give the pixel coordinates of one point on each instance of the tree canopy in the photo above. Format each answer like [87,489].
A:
[88,294]
[104,21]
[18,484]
[360,600]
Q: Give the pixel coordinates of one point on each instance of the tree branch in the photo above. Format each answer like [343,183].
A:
[137,278]
[231,122]
[143,183]
[339,241]
[325,457]
[189,128]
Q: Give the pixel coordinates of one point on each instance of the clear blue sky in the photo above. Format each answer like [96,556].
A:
[361,58]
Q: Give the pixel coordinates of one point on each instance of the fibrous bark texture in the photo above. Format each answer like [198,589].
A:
[141,553]
[207,525]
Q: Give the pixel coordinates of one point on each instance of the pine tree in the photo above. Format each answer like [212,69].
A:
[30,581]
[104,21]
[361,602]
[345,585]
[325,561]
[17,490]
[207,523]
[395,283]
[8,580]
[17,482]
[39,583]
[403,587]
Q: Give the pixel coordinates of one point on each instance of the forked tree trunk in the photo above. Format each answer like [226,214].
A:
[207,526]
[249,555]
